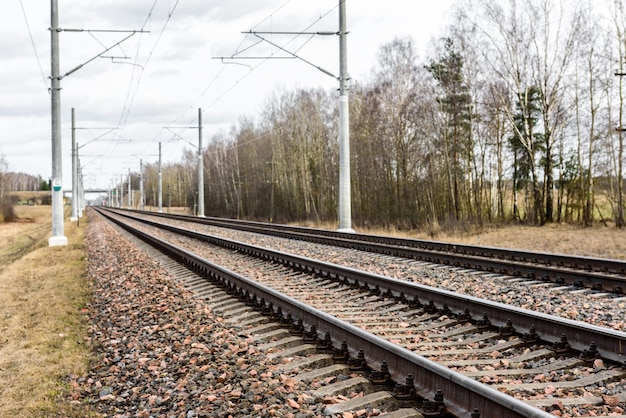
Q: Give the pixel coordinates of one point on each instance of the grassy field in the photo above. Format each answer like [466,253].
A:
[42,333]
[598,241]
[43,337]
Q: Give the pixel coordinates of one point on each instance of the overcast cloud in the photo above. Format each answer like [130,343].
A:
[161,78]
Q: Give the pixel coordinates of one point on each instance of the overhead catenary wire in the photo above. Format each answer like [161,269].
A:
[238,51]
[130,93]
[194,103]
[129,102]
[91,33]
[32,41]
[142,61]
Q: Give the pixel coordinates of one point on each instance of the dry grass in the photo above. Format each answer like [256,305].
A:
[42,333]
[597,241]
[18,238]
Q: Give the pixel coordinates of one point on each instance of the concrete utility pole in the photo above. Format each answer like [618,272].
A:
[200,164]
[200,167]
[619,218]
[129,191]
[74,171]
[58,238]
[80,191]
[160,183]
[345,207]
[140,184]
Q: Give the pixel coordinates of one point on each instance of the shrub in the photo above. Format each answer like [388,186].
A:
[7,213]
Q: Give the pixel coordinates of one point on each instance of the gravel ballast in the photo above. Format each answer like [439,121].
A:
[580,305]
[161,352]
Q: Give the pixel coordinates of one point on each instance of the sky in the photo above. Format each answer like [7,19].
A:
[149,86]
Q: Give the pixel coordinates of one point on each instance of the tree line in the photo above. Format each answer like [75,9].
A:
[517,115]
[11,181]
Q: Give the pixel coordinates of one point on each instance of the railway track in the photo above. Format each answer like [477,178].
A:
[589,272]
[392,325]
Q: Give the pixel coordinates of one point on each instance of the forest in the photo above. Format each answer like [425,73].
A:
[516,116]
[11,181]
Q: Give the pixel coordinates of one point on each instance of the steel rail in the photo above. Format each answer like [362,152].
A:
[611,344]
[596,273]
[462,394]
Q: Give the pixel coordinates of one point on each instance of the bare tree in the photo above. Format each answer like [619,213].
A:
[555,39]
[4,169]
[398,89]
[505,41]
[591,82]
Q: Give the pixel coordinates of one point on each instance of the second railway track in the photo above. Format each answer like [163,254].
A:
[572,302]
[596,273]
[525,358]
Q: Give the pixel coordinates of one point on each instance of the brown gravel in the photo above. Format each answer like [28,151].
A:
[605,311]
[600,310]
[160,352]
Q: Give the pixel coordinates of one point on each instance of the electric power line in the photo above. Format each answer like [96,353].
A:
[32,41]
[253,68]
[130,93]
[129,103]
[193,104]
